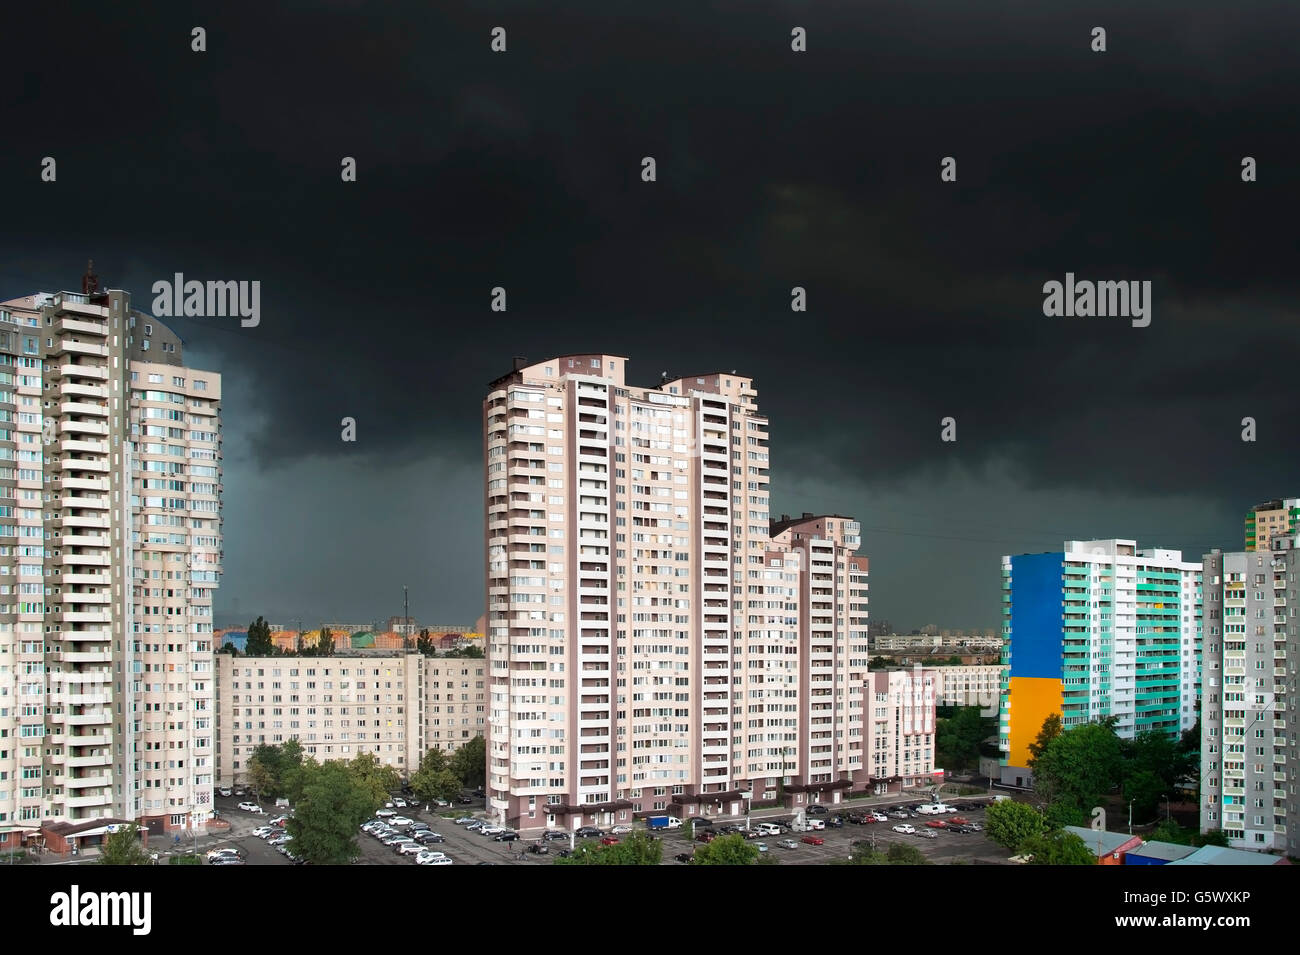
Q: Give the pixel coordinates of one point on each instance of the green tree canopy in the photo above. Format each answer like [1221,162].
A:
[469,762]
[1058,848]
[638,848]
[1050,729]
[957,740]
[424,643]
[259,639]
[335,801]
[726,850]
[1080,766]
[379,780]
[1010,823]
[123,848]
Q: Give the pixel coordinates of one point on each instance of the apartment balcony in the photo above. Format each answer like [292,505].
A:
[84,371]
[83,407]
[70,347]
[79,616]
[87,699]
[75,390]
[85,483]
[103,718]
[67,324]
[88,782]
[76,445]
[82,802]
[82,464]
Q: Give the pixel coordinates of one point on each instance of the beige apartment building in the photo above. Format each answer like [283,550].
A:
[110,551]
[393,704]
[646,641]
[971,685]
[900,742]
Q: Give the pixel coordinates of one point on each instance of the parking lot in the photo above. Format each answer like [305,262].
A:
[470,848]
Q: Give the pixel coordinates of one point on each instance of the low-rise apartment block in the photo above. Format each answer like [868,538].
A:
[393,704]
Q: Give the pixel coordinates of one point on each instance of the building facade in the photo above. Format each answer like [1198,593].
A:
[393,704]
[653,642]
[1100,629]
[1264,522]
[900,716]
[110,474]
[1248,750]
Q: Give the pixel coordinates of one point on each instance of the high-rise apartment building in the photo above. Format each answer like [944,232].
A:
[1280,518]
[1248,728]
[654,643]
[110,550]
[1099,629]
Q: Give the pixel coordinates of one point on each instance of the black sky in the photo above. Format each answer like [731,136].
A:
[775,169]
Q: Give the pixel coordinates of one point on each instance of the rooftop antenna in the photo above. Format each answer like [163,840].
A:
[90,281]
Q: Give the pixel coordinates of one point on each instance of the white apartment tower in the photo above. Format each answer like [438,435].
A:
[645,644]
[110,550]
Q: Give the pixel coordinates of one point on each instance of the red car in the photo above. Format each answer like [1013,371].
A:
[959,821]
[813,840]
[937,824]
[609,841]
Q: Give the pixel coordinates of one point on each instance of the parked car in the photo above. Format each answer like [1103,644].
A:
[621,830]
[490,830]
[386,813]
[464,820]
[475,826]
[396,839]
[227,851]
[699,821]
[239,791]
[417,826]
[226,860]
[901,814]
[817,809]
[937,824]
[964,830]
[554,835]
[905,829]
[401,821]
[224,791]
[280,821]
[506,836]
[588,832]
[441,803]
[788,844]
[856,818]
[263,831]
[436,860]
[960,820]
[609,841]
[465,801]
[814,840]
[879,817]
[539,848]
[684,857]
[427,836]
[927,834]
[706,836]
[761,846]
[251,807]
[835,822]
[479,793]
[399,802]
[408,848]
[424,856]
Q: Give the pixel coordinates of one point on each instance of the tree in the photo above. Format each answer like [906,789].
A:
[877,663]
[1214,837]
[900,854]
[1010,823]
[336,799]
[863,854]
[425,643]
[726,850]
[1058,848]
[1169,831]
[1065,811]
[639,848]
[264,770]
[325,644]
[957,740]
[469,762]
[259,639]
[1144,789]
[379,780]
[1050,730]
[1080,766]
[433,780]
[229,648]
[123,847]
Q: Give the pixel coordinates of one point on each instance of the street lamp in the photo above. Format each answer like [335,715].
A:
[1130,817]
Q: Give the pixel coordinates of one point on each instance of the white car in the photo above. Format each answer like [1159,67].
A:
[216,853]
[263,831]
[399,803]
[906,830]
[441,803]
[490,830]
[436,858]
[424,855]
[620,830]
[386,813]
[400,821]
[879,817]
[252,807]
[409,848]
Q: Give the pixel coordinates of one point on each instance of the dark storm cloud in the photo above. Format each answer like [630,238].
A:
[775,169]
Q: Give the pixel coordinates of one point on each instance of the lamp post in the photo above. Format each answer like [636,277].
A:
[1130,817]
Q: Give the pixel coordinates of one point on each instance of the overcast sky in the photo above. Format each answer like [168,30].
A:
[775,169]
